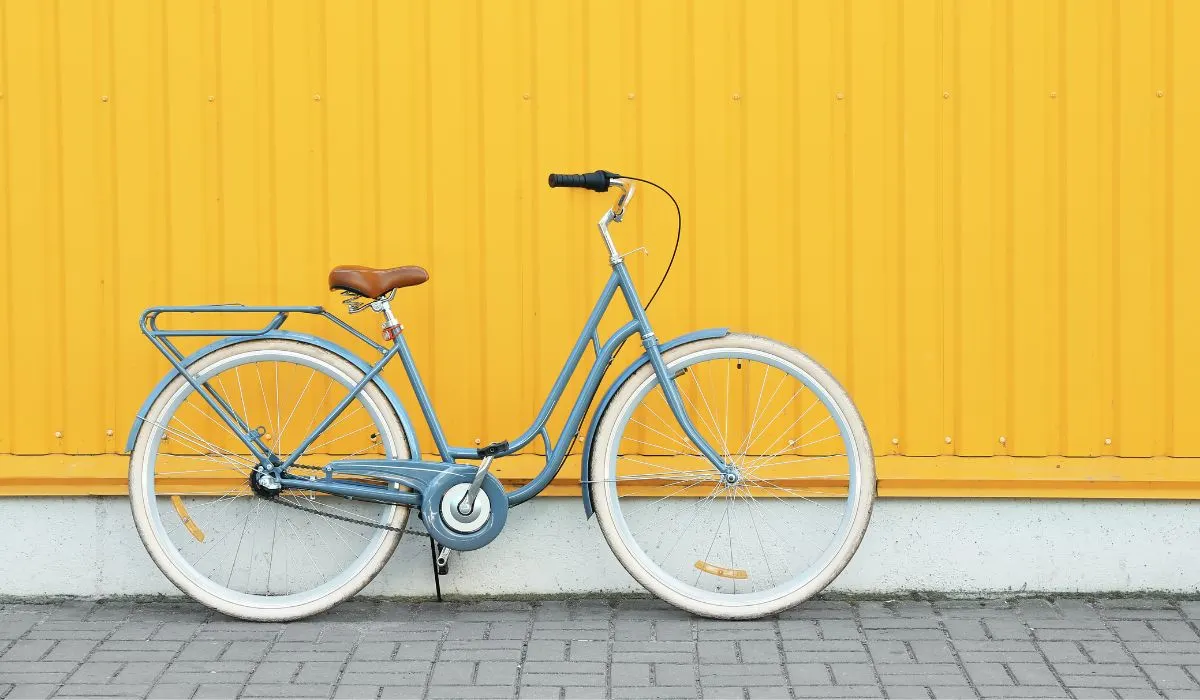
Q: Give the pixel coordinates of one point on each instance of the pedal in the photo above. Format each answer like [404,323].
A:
[443,561]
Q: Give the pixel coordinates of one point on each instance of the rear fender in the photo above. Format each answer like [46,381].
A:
[598,414]
[336,349]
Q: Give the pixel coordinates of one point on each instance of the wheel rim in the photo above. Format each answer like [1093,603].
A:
[280,557]
[745,544]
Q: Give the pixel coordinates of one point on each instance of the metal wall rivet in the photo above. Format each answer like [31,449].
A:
[477,441]
[104,98]
[841,95]
[1003,440]
[109,432]
[1159,93]
[945,95]
[947,439]
[1054,94]
[211,98]
[630,95]
[525,96]
[57,433]
[736,96]
[1107,441]
[316,97]
[896,441]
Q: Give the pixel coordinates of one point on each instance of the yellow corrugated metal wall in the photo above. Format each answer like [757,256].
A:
[983,216]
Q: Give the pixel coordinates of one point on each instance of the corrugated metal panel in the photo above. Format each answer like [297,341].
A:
[981,215]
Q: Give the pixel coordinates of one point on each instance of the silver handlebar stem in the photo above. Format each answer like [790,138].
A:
[615,213]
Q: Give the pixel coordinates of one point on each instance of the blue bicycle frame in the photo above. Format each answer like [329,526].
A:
[399,471]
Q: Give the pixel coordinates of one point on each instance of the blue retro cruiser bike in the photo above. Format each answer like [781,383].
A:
[272,473]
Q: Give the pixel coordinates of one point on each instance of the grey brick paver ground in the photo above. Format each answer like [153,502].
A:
[1022,648]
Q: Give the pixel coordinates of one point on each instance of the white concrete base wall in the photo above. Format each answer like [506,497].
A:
[88,547]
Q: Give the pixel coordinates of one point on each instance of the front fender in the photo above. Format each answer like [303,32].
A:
[612,390]
[336,349]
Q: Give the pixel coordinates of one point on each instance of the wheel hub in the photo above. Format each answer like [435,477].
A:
[264,484]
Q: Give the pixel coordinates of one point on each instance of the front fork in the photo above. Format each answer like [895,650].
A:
[665,379]
[675,400]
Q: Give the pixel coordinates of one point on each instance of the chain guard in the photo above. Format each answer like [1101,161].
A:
[432,495]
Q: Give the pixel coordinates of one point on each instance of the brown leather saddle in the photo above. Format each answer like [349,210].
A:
[372,282]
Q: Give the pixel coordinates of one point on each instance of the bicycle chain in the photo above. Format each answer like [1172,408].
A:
[348,519]
[344,518]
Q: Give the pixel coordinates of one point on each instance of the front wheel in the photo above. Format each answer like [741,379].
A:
[799,508]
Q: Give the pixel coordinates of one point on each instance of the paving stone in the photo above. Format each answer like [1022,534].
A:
[675,675]
[31,691]
[718,652]
[1174,630]
[964,629]
[838,691]
[907,692]
[406,692]
[630,674]
[890,652]
[546,650]
[852,674]
[206,650]
[838,629]
[825,651]
[171,691]
[245,650]
[656,693]
[32,650]
[939,652]
[1065,652]
[584,650]
[287,690]
[1097,681]
[415,650]
[112,690]
[216,691]
[1134,631]
[319,672]
[269,672]
[136,672]
[1006,629]
[1021,691]
[95,672]
[741,675]
[346,691]
[1108,652]
[679,630]
[486,650]
[1170,677]
[563,679]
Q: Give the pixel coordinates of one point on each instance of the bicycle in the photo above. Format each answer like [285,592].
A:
[701,495]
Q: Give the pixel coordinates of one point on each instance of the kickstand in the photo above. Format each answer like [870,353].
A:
[437,576]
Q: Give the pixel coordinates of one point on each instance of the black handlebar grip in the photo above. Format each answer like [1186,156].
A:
[596,181]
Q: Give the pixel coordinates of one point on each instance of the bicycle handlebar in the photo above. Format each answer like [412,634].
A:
[597,181]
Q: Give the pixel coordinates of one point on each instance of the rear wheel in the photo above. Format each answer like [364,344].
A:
[241,549]
[800,506]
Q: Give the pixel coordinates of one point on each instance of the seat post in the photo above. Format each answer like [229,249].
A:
[391,326]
